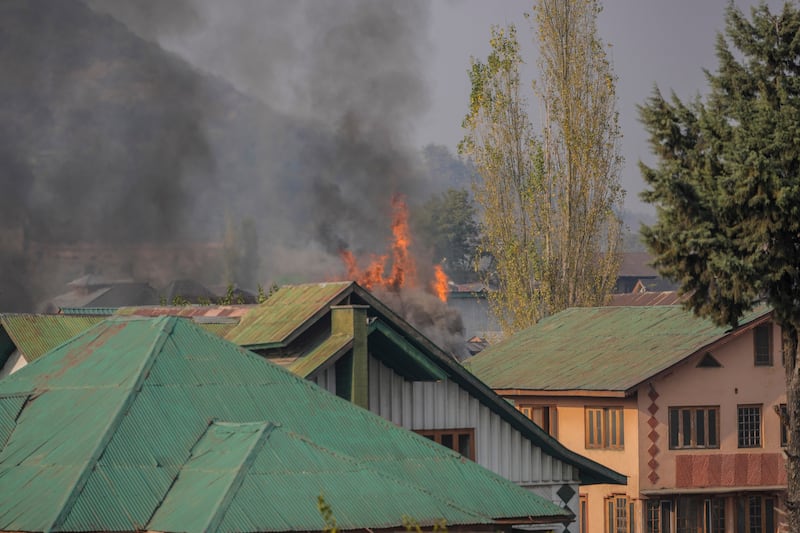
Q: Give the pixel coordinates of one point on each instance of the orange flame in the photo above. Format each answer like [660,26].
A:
[440,280]
[403,266]
[403,271]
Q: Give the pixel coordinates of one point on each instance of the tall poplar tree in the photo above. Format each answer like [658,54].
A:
[726,187]
[549,201]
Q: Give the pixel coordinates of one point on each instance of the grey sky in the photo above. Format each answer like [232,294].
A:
[262,46]
[654,42]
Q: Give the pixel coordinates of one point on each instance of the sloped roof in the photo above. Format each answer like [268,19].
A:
[597,348]
[186,311]
[285,314]
[156,424]
[34,335]
[647,298]
[301,305]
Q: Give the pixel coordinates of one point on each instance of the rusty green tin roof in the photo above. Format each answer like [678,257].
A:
[294,308]
[320,355]
[285,314]
[597,348]
[141,423]
[34,335]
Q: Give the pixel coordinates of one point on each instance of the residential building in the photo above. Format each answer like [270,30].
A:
[341,337]
[155,424]
[688,411]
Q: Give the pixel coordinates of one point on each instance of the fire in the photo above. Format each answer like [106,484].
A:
[440,283]
[403,271]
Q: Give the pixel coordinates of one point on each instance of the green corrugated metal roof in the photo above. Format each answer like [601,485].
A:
[126,431]
[306,364]
[93,311]
[34,335]
[402,348]
[597,348]
[285,313]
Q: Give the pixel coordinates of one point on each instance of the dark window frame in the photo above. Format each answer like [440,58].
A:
[697,438]
[783,414]
[762,345]
[749,426]
[549,416]
[755,513]
[619,514]
[604,428]
[451,438]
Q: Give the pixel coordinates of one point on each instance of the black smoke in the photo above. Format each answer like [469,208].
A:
[170,120]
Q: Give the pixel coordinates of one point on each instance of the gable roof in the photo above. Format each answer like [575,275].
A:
[156,424]
[599,348]
[286,314]
[34,335]
[274,325]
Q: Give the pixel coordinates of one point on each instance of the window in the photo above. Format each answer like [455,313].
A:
[584,513]
[693,427]
[762,348]
[755,514]
[698,514]
[619,515]
[749,424]
[543,416]
[605,428]
[784,421]
[658,516]
[460,440]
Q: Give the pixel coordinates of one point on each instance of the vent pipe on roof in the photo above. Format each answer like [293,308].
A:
[351,320]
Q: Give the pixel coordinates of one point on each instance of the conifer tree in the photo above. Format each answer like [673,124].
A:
[726,187]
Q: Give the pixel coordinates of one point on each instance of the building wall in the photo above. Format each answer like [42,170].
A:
[736,382]
[647,460]
[498,446]
[14,362]
[571,432]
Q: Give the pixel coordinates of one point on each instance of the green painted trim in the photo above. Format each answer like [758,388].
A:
[433,370]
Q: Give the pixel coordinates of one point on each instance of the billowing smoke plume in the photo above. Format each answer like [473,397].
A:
[125,123]
[431,316]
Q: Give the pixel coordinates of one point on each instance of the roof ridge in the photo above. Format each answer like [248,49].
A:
[166,325]
[264,429]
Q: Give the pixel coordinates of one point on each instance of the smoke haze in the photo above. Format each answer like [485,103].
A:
[167,121]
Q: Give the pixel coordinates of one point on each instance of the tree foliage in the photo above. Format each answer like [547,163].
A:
[447,223]
[727,190]
[548,201]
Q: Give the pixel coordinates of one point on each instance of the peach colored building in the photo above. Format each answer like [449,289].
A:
[690,412]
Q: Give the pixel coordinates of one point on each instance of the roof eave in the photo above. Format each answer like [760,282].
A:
[590,470]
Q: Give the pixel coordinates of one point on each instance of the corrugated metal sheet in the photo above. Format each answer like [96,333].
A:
[35,335]
[119,412]
[284,314]
[88,311]
[443,404]
[648,298]
[308,363]
[187,311]
[599,348]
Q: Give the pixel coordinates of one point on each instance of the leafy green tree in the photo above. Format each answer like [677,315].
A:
[727,190]
[447,223]
[549,201]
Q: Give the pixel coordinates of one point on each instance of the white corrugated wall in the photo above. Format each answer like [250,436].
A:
[445,405]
